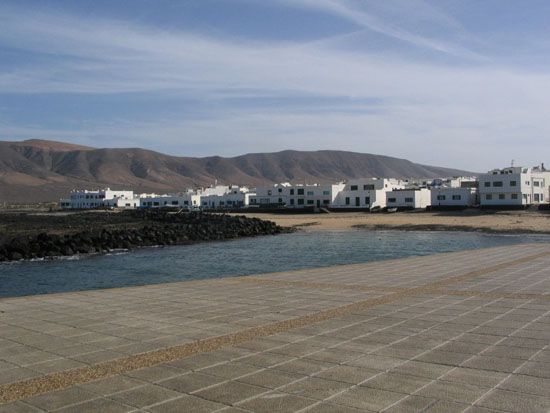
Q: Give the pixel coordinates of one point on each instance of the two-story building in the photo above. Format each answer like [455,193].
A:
[515,186]
[409,198]
[365,193]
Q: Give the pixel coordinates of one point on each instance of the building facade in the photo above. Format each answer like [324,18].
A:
[296,196]
[84,199]
[365,193]
[453,197]
[414,198]
[514,187]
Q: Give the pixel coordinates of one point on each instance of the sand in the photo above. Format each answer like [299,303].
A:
[469,220]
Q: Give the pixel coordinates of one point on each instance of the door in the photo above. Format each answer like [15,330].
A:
[357,201]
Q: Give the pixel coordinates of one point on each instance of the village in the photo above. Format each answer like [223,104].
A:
[512,187]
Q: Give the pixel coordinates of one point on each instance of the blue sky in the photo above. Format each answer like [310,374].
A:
[461,83]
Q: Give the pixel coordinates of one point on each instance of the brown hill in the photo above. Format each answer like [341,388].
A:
[36,170]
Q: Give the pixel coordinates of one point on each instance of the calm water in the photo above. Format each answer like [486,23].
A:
[238,257]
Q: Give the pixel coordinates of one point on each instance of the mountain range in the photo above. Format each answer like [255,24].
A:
[40,171]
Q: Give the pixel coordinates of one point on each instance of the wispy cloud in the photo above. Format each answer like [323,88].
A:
[423,107]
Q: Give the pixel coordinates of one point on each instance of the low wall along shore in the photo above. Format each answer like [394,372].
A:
[149,228]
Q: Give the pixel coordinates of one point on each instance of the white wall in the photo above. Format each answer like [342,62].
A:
[408,198]
[453,196]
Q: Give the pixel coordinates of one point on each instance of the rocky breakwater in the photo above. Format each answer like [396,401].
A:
[156,228]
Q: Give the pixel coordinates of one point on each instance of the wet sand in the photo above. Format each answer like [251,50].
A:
[474,220]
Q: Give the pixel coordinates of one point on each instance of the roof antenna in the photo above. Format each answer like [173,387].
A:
[512,162]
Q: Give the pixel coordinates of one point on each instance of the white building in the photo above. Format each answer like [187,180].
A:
[408,198]
[225,197]
[453,197]
[187,200]
[84,199]
[366,193]
[296,196]
[514,187]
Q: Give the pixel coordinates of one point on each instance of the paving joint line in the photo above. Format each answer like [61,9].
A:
[64,379]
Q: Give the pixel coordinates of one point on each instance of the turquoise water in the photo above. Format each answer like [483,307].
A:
[237,257]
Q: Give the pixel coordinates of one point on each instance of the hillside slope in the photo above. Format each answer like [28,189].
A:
[36,170]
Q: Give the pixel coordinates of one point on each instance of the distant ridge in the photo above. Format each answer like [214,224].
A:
[38,170]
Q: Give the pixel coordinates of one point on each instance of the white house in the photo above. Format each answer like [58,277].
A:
[296,196]
[515,186]
[225,197]
[453,197]
[187,200]
[84,199]
[414,198]
[366,193]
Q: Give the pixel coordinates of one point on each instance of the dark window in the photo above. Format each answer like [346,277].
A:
[457,197]
[513,183]
[292,201]
[368,187]
[487,184]
[357,201]
[488,197]
[347,200]
[392,200]
[310,202]
[175,203]
[367,200]
[353,187]
[185,202]
[300,191]
[156,204]
[497,184]
[292,191]
[409,200]
[300,201]
[501,196]
[280,190]
[514,196]
[326,201]
[441,197]
[536,183]
[280,200]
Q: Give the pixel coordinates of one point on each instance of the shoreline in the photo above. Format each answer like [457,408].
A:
[501,222]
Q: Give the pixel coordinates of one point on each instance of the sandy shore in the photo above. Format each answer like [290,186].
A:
[502,221]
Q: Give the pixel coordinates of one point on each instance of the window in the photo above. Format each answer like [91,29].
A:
[536,183]
[175,203]
[441,197]
[280,190]
[300,201]
[391,200]
[347,200]
[497,184]
[222,203]
[487,184]
[409,199]
[310,201]
[488,197]
[292,201]
[156,203]
[292,191]
[185,202]
[457,197]
[353,187]
[501,196]
[280,200]
[310,193]
[536,197]
[269,192]
[367,200]
[326,192]
[514,196]
[368,187]
[513,183]
[326,201]
[300,191]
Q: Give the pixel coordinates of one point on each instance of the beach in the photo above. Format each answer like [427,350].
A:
[468,220]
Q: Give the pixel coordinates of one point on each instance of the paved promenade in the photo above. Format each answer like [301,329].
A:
[466,331]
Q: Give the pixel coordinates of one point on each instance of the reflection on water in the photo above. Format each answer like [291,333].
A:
[237,257]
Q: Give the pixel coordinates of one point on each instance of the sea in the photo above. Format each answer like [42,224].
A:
[237,257]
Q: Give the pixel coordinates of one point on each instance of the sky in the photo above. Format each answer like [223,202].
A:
[457,83]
